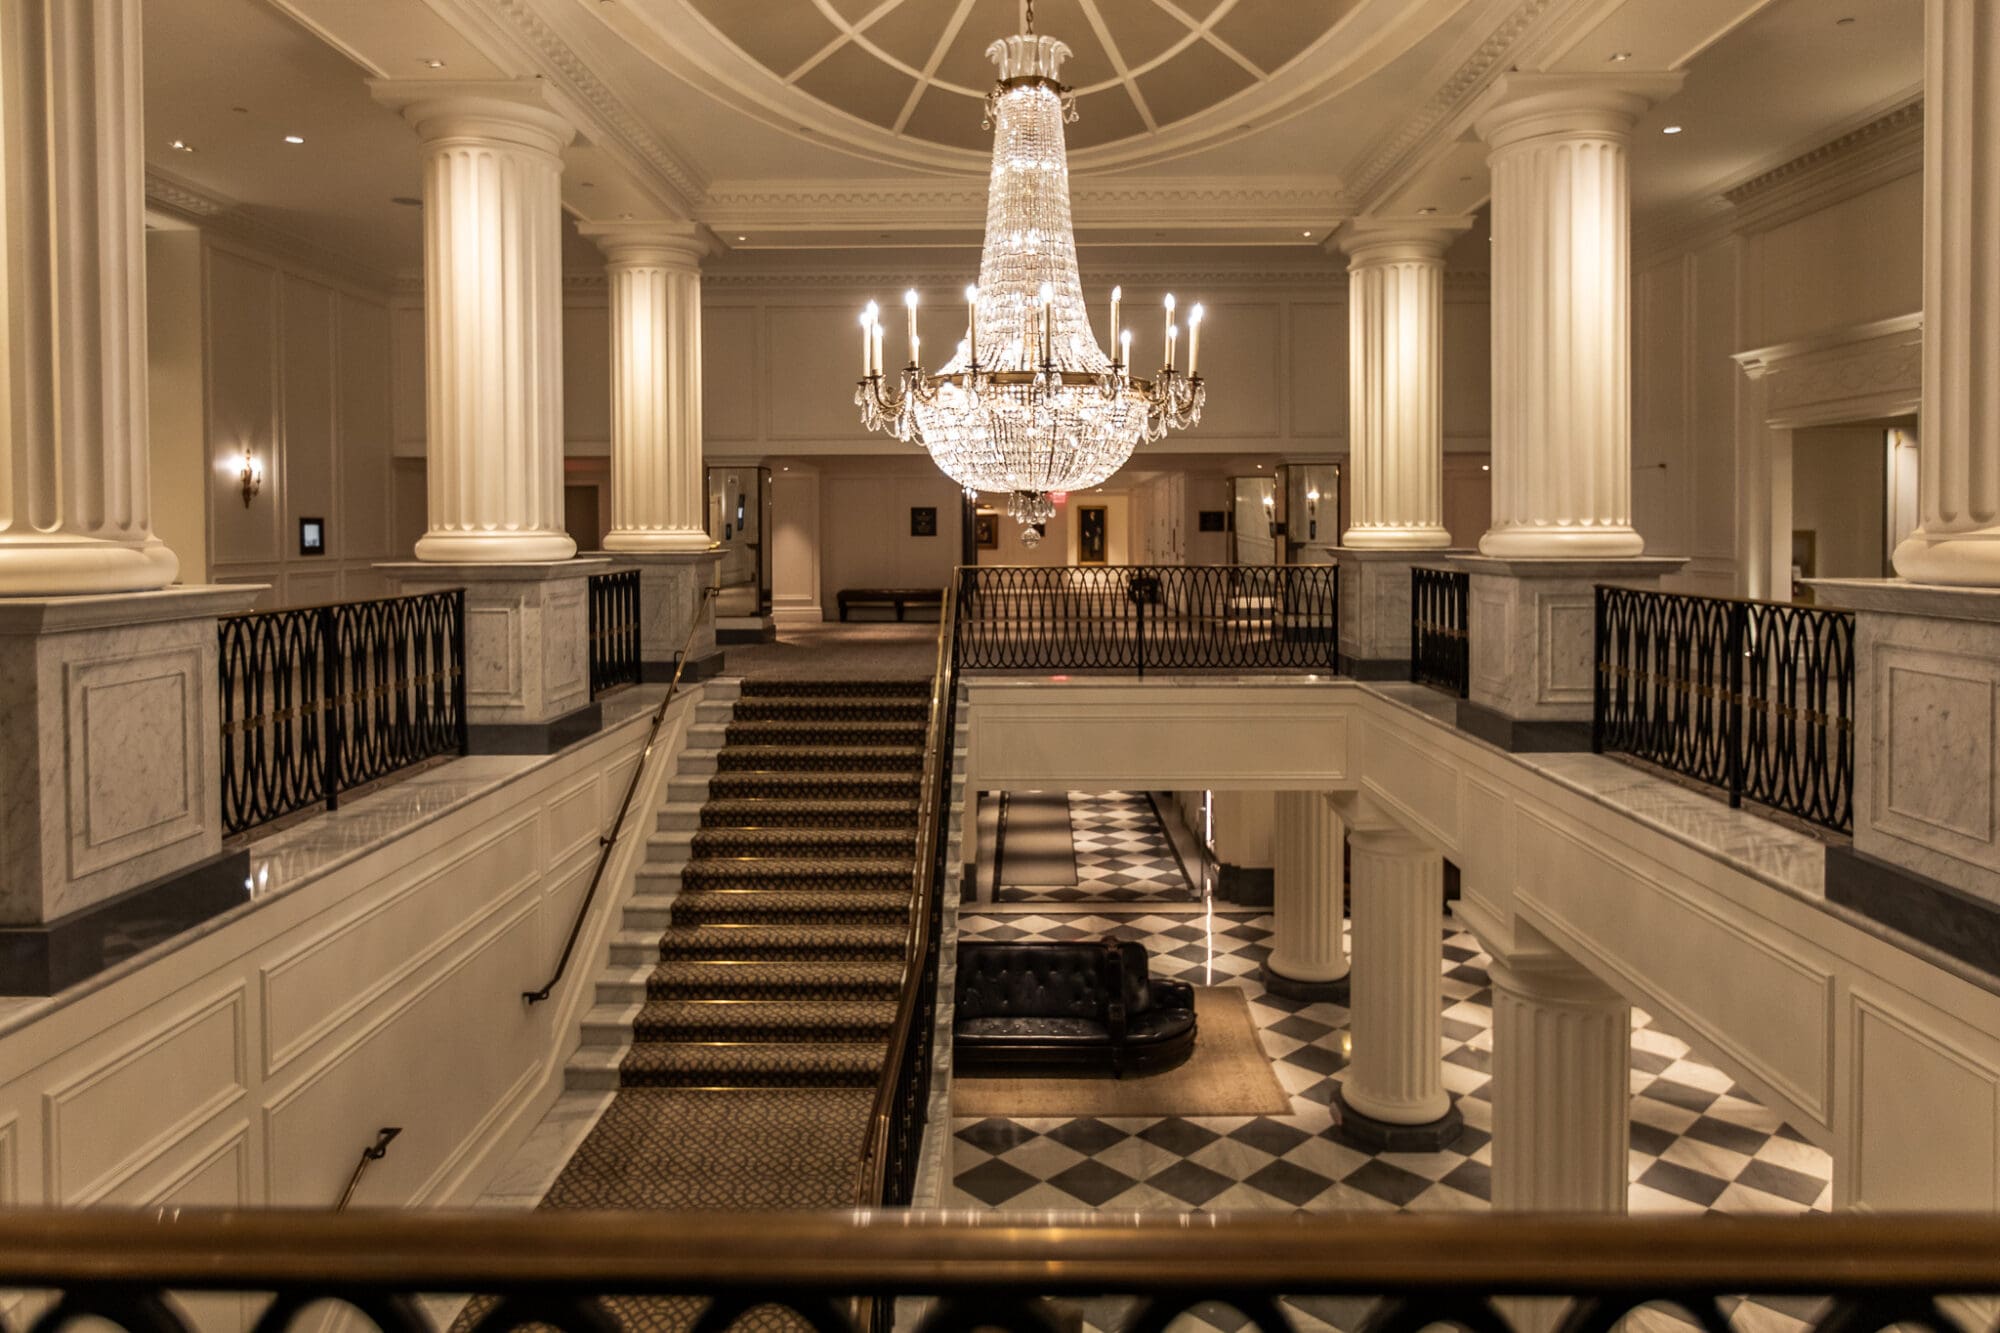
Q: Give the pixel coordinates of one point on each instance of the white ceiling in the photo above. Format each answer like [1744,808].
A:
[687,109]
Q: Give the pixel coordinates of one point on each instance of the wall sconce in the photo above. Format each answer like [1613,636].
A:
[1312,514]
[1271,514]
[251,475]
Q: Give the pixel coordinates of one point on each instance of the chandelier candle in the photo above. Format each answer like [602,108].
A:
[1028,404]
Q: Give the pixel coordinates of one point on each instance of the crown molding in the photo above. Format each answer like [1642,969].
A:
[591,104]
[1876,148]
[220,216]
[1420,134]
[961,203]
[1326,281]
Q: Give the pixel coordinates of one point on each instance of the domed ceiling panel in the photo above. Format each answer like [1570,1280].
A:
[919,69]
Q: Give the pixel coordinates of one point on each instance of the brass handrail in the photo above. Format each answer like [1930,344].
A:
[374,1152]
[607,842]
[1488,1253]
[872,1177]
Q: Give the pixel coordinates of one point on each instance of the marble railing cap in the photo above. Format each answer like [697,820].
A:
[1898,598]
[1571,567]
[529,571]
[45,615]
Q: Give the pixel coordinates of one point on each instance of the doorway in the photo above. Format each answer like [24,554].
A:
[1853,499]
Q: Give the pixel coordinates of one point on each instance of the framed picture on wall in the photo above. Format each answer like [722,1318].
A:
[1091,530]
[312,536]
[923,521]
[986,530]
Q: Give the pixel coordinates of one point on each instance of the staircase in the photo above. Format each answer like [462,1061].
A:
[763,946]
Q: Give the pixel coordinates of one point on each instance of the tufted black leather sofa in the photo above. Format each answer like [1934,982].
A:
[1084,1003]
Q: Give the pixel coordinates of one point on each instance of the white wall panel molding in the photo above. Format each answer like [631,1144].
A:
[383,990]
[1911,1065]
[356,960]
[1851,374]
[123,1111]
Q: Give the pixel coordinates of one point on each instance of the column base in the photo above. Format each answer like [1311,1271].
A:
[698,669]
[56,566]
[1375,668]
[494,548]
[1375,603]
[1562,543]
[671,541]
[535,737]
[1373,1135]
[1956,559]
[1334,991]
[44,959]
[1413,538]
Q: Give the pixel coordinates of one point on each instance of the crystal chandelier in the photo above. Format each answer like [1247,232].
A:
[1029,404]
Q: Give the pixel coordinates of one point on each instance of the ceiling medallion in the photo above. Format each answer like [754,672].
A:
[1028,403]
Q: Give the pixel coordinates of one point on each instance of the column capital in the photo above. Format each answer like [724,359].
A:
[1401,238]
[1531,106]
[653,244]
[509,111]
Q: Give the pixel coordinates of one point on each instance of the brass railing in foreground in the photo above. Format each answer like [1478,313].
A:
[1397,1274]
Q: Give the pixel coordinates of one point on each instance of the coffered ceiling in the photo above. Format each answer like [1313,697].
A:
[851,124]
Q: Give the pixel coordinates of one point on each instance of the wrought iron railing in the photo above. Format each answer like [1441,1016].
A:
[597,1272]
[320,700]
[1440,653]
[1140,617]
[1754,697]
[614,630]
[896,1125]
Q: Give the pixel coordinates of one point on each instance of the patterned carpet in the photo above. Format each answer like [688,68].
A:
[764,1030]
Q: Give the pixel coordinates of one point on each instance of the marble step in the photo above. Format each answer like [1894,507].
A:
[817,812]
[810,786]
[786,873]
[876,907]
[861,709]
[818,942]
[767,687]
[753,1064]
[841,732]
[820,843]
[899,759]
[775,1020]
[697,980]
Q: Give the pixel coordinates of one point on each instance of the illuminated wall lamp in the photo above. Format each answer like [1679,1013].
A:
[251,475]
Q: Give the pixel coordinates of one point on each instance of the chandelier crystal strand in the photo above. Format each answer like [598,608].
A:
[1029,403]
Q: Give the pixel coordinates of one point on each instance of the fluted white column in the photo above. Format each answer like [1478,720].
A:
[656,468]
[75,507]
[1307,899]
[1562,355]
[1395,401]
[1958,473]
[493,318]
[1562,1057]
[1396,1073]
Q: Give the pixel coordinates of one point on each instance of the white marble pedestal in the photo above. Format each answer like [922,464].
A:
[1926,854]
[1531,624]
[1375,608]
[527,648]
[670,588]
[110,773]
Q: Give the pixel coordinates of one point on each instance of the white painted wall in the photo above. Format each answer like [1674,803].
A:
[175,403]
[298,368]
[1840,493]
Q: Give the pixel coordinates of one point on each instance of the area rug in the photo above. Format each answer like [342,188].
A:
[1036,847]
[1228,1074]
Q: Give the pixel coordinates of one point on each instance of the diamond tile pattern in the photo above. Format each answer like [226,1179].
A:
[1123,855]
[1699,1142]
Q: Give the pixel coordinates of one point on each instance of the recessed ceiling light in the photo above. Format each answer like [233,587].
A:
[293,138]
[181,146]
[434,64]
[1485,467]
[1671,129]
[1427,210]
[1306,234]
[1620,57]
[742,238]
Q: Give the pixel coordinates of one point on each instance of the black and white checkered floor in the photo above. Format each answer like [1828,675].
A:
[1699,1142]
[1122,856]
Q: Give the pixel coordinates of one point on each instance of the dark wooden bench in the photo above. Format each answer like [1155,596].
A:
[899,598]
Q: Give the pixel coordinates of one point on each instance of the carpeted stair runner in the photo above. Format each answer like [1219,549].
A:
[745,1022]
